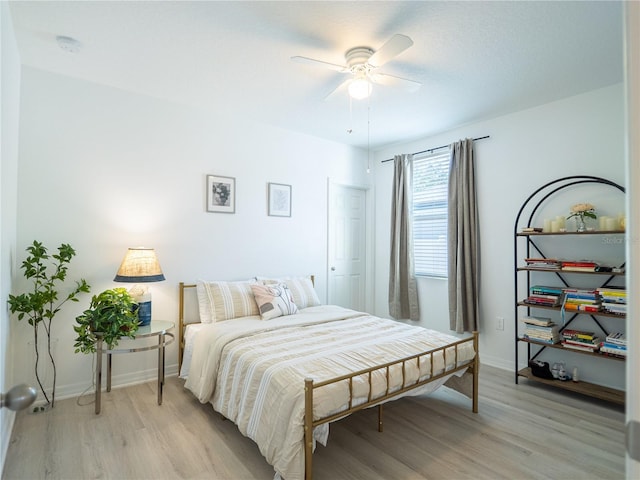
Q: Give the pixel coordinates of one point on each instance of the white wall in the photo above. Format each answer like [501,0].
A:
[103,170]
[10,88]
[581,135]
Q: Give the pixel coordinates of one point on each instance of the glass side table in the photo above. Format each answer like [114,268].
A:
[157,328]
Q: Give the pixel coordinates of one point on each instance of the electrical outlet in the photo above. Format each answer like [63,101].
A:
[500,323]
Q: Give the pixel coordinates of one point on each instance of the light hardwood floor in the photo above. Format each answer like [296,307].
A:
[524,431]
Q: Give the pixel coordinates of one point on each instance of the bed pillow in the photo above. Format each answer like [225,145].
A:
[302,291]
[274,300]
[204,303]
[220,301]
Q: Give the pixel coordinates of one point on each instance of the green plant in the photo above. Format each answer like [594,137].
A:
[41,305]
[111,315]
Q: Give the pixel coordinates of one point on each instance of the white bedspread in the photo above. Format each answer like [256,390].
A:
[253,371]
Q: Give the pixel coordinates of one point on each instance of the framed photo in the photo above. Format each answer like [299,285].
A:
[279,200]
[221,194]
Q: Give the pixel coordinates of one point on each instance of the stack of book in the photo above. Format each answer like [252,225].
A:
[543,263]
[580,340]
[541,330]
[581,299]
[614,300]
[615,345]
[579,266]
[544,296]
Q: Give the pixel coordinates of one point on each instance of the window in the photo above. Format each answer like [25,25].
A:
[430,187]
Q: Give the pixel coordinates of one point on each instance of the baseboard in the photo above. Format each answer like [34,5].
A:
[496,362]
[74,390]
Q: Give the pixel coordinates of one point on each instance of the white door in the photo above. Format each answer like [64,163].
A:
[347,246]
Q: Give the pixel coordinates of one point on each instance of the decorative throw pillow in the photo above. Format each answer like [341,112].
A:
[273,300]
[302,291]
[219,301]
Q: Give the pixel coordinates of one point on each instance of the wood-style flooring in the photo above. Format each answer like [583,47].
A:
[525,431]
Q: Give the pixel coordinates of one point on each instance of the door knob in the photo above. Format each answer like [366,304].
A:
[333,269]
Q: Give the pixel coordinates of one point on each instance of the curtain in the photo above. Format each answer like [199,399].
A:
[463,239]
[403,291]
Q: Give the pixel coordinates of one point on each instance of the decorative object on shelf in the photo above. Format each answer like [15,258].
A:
[581,210]
[540,369]
[279,200]
[41,305]
[18,398]
[140,265]
[221,194]
[112,314]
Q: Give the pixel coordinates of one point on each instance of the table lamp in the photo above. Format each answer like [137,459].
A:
[140,265]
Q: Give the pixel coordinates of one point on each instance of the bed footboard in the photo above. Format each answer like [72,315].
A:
[310,386]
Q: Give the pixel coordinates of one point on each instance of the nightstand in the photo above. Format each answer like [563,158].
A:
[157,328]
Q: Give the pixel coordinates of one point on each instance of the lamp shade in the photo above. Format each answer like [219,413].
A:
[139,265]
[360,88]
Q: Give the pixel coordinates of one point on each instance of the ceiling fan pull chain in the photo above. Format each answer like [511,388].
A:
[369,135]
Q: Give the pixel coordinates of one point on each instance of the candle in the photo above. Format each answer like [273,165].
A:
[603,223]
[622,222]
[612,224]
[554,226]
[560,220]
[547,225]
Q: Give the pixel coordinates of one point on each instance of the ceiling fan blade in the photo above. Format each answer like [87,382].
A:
[394,46]
[393,81]
[339,89]
[320,63]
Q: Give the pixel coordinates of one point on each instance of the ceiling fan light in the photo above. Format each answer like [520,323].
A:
[360,88]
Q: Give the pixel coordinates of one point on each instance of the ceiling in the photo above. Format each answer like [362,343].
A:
[475,60]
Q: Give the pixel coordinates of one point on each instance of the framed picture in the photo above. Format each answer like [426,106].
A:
[221,194]
[279,200]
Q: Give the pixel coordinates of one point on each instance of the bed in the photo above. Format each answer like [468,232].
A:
[282,367]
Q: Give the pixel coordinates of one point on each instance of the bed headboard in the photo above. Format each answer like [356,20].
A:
[183,321]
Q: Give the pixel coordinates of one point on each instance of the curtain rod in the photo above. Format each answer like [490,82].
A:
[432,149]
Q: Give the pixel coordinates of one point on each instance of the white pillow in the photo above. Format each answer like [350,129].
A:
[274,300]
[302,291]
[219,301]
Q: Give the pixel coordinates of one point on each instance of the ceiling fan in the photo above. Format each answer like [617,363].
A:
[362,65]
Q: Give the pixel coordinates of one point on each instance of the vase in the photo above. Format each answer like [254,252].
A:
[581,227]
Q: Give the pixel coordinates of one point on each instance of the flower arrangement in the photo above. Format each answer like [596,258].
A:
[581,210]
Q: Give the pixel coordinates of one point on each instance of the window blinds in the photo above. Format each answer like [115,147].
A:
[430,187]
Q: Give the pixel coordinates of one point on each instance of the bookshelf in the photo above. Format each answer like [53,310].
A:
[543,245]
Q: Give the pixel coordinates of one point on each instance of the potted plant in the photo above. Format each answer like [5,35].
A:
[42,303]
[111,315]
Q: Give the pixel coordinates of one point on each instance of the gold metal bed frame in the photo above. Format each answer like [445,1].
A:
[310,385]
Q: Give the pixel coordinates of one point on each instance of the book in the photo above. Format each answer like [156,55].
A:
[569,333]
[579,269]
[613,352]
[541,328]
[531,229]
[617,308]
[545,290]
[584,343]
[581,263]
[533,320]
[580,347]
[613,346]
[541,260]
[617,338]
[550,341]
